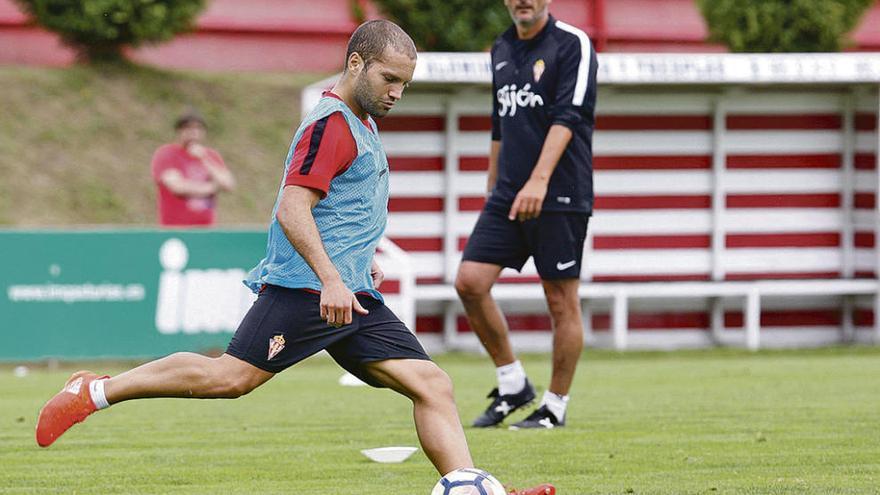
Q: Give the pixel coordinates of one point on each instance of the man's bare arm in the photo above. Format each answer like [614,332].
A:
[530,199]
[220,175]
[181,186]
[494,151]
[296,219]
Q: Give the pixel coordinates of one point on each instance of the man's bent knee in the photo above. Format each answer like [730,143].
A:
[435,386]
[562,307]
[431,383]
[469,285]
[419,380]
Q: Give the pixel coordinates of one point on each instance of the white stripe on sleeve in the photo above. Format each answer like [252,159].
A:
[580,89]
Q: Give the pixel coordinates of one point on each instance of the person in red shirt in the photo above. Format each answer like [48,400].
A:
[189,175]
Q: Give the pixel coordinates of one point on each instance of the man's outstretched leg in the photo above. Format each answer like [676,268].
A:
[474,283]
[436,418]
[182,374]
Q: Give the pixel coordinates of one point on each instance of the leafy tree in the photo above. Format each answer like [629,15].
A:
[449,25]
[782,25]
[98,29]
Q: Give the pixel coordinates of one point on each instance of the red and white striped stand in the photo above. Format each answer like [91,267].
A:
[735,200]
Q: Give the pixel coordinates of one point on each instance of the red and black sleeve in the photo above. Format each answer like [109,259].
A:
[325,150]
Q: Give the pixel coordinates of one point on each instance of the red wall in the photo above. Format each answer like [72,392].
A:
[308,36]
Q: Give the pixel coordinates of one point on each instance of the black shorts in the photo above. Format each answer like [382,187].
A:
[284,326]
[555,239]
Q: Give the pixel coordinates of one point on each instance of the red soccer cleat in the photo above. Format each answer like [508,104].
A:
[70,406]
[545,489]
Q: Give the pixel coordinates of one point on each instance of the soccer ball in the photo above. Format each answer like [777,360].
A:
[468,481]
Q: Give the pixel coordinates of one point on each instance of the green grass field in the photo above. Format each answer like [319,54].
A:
[710,422]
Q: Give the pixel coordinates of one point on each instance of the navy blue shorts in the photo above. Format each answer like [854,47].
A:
[555,239]
[284,326]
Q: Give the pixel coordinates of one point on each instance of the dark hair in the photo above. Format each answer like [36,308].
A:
[371,38]
[188,118]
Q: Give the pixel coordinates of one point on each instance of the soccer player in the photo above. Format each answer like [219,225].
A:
[317,284]
[540,200]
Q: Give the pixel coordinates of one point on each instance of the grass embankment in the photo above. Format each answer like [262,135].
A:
[708,422]
[76,143]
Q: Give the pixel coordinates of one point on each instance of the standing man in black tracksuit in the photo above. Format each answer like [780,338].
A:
[541,198]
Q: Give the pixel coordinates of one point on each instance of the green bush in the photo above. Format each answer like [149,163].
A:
[98,29]
[449,25]
[782,25]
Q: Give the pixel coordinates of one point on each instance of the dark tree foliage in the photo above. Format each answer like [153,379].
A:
[449,25]
[98,29]
[782,25]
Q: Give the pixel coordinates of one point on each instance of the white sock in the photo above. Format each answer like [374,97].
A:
[96,391]
[511,378]
[555,403]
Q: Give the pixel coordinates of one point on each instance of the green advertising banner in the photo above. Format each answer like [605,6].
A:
[122,294]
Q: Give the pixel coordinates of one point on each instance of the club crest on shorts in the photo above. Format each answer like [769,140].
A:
[538,69]
[276,343]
